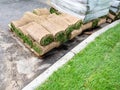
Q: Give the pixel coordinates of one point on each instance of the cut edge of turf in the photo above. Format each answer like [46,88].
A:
[26,40]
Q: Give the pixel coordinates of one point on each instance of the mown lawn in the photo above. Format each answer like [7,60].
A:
[97,67]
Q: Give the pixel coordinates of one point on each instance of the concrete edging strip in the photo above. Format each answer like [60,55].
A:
[91,38]
[45,75]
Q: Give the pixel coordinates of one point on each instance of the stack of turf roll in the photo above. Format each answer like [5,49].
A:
[114,12]
[32,34]
[43,29]
[91,12]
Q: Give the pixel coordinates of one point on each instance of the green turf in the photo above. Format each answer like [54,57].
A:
[97,67]
[37,48]
[71,28]
[78,25]
[60,37]
[26,39]
[46,40]
[69,31]
[95,23]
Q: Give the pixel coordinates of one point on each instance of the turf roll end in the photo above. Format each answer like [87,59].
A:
[86,26]
[37,48]
[60,37]
[17,31]
[75,33]
[95,23]
[78,25]
[112,16]
[102,20]
[25,38]
[39,34]
[69,31]
[46,40]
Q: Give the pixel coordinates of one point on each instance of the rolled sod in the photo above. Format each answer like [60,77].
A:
[24,27]
[41,11]
[78,24]
[68,22]
[95,23]
[41,50]
[32,45]
[17,31]
[73,29]
[76,33]
[102,20]
[34,17]
[70,18]
[64,24]
[113,13]
[22,36]
[58,20]
[91,24]
[55,29]
[86,26]
[39,34]
[21,22]
[112,16]
[69,30]
[27,18]
[65,19]
[49,47]
[37,49]
[73,22]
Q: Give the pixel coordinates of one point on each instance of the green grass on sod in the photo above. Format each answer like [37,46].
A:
[26,40]
[97,67]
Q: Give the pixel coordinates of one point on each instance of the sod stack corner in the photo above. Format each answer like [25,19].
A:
[114,12]
[42,31]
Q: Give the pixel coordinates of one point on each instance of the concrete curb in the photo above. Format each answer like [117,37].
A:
[43,77]
[91,38]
